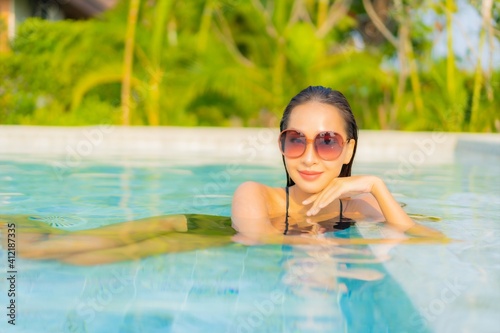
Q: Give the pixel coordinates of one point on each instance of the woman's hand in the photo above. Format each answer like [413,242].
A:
[392,212]
[338,188]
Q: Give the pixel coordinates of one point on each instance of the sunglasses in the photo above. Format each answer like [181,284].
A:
[328,144]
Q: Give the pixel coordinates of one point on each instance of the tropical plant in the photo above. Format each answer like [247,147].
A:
[237,62]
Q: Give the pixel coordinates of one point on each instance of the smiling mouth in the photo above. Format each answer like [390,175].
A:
[309,175]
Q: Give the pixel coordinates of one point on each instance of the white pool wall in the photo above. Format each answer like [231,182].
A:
[252,145]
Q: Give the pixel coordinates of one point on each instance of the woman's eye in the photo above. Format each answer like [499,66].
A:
[329,141]
[296,140]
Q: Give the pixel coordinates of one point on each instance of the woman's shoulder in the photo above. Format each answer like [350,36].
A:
[253,187]
[254,199]
[250,186]
[259,194]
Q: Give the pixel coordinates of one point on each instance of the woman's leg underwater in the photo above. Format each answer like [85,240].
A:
[38,240]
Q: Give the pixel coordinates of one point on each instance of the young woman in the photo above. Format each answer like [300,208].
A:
[318,142]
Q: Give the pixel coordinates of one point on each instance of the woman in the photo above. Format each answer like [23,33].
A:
[318,142]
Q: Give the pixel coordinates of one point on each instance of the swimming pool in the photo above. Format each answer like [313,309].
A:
[83,180]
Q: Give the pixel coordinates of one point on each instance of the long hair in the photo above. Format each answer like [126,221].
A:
[327,96]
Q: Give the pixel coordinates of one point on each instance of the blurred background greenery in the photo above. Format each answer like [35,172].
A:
[238,62]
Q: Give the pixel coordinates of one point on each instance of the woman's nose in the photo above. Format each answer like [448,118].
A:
[310,157]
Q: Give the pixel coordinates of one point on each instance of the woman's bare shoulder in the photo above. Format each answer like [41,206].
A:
[258,197]
[249,186]
[256,188]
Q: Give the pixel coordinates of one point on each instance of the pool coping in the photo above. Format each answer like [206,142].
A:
[252,145]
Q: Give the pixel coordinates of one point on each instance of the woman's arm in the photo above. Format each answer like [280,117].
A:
[250,219]
[396,216]
[380,200]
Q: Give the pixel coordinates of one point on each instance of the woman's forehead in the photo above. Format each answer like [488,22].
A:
[312,117]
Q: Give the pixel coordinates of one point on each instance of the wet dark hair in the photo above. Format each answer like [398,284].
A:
[326,96]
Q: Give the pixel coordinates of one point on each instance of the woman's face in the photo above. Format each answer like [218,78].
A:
[309,172]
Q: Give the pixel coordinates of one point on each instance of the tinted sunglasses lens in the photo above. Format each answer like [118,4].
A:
[328,145]
[293,143]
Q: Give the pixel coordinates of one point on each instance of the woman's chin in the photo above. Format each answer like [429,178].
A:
[310,188]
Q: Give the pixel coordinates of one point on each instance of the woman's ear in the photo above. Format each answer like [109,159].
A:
[350,151]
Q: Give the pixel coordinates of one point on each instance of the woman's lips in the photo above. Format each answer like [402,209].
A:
[310,175]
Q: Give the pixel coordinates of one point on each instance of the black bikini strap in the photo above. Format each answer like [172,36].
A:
[340,210]
[286,216]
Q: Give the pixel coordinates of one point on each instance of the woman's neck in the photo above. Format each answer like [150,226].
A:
[297,210]
[297,196]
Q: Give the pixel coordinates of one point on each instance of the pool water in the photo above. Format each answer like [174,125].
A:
[270,288]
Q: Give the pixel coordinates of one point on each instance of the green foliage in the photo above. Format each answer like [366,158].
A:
[47,61]
[227,63]
[92,111]
[304,49]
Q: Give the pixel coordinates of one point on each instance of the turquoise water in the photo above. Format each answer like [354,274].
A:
[398,288]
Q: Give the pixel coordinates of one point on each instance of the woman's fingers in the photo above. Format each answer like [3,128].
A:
[324,199]
[339,188]
[314,208]
[310,199]
[319,200]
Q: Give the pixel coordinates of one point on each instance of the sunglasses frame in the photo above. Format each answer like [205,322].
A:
[313,141]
